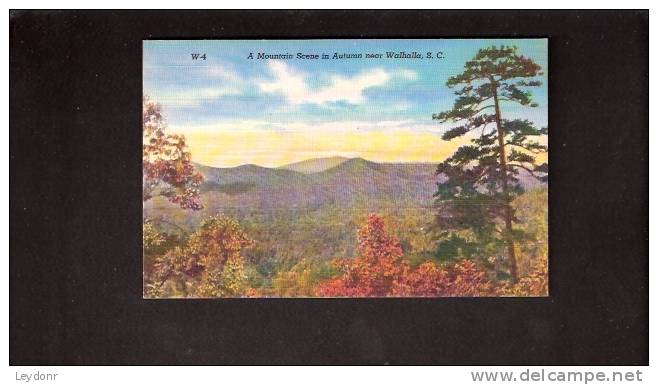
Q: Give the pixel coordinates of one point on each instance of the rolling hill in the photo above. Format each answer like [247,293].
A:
[310,186]
[310,166]
[349,182]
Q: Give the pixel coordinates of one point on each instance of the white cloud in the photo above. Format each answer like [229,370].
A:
[294,85]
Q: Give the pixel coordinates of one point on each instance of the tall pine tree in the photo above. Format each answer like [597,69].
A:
[481,178]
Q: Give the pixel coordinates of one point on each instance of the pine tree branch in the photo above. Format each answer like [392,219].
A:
[483,108]
[532,172]
[534,151]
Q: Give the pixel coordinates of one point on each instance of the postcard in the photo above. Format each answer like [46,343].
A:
[345,168]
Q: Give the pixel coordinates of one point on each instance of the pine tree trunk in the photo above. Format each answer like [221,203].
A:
[508,204]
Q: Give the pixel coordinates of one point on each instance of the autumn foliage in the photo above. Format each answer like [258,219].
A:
[377,270]
[535,284]
[167,167]
[381,271]
[209,265]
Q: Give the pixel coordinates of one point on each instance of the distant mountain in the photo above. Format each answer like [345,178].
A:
[352,182]
[310,166]
[348,182]
[237,180]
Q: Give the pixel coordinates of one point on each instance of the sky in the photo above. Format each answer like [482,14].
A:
[234,110]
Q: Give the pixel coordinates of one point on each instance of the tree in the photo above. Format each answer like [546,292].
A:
[376,270]
[482,177]
[380,270]
[464,279]
[218,239]
[152,237]
[175,265]
[427,280]
[211,258]
[230,281]
[166,161]
[535,284]
[217,247]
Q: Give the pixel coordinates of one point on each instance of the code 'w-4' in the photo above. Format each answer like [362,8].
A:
[198,56]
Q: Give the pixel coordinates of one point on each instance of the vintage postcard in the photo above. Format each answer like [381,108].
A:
[345,168]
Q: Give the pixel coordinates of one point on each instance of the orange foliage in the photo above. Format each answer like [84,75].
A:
[428,280]
[375,271]
[379,270]
[167,163]
[533,285]
[470,281]
[463,279]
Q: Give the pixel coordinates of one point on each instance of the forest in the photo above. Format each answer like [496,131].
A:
[473,225]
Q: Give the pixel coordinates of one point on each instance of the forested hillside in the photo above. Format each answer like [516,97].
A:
[301,221]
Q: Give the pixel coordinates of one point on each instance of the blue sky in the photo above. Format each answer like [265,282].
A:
[228,92]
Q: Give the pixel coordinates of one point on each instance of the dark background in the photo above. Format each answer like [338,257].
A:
[75,206]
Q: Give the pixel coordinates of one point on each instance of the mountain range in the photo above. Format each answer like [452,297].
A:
[313,182]
[316,183]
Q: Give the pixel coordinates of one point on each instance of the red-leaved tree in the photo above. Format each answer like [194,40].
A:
[167,162]
[379,270]
[376,270]
[463,279]
[428,280]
